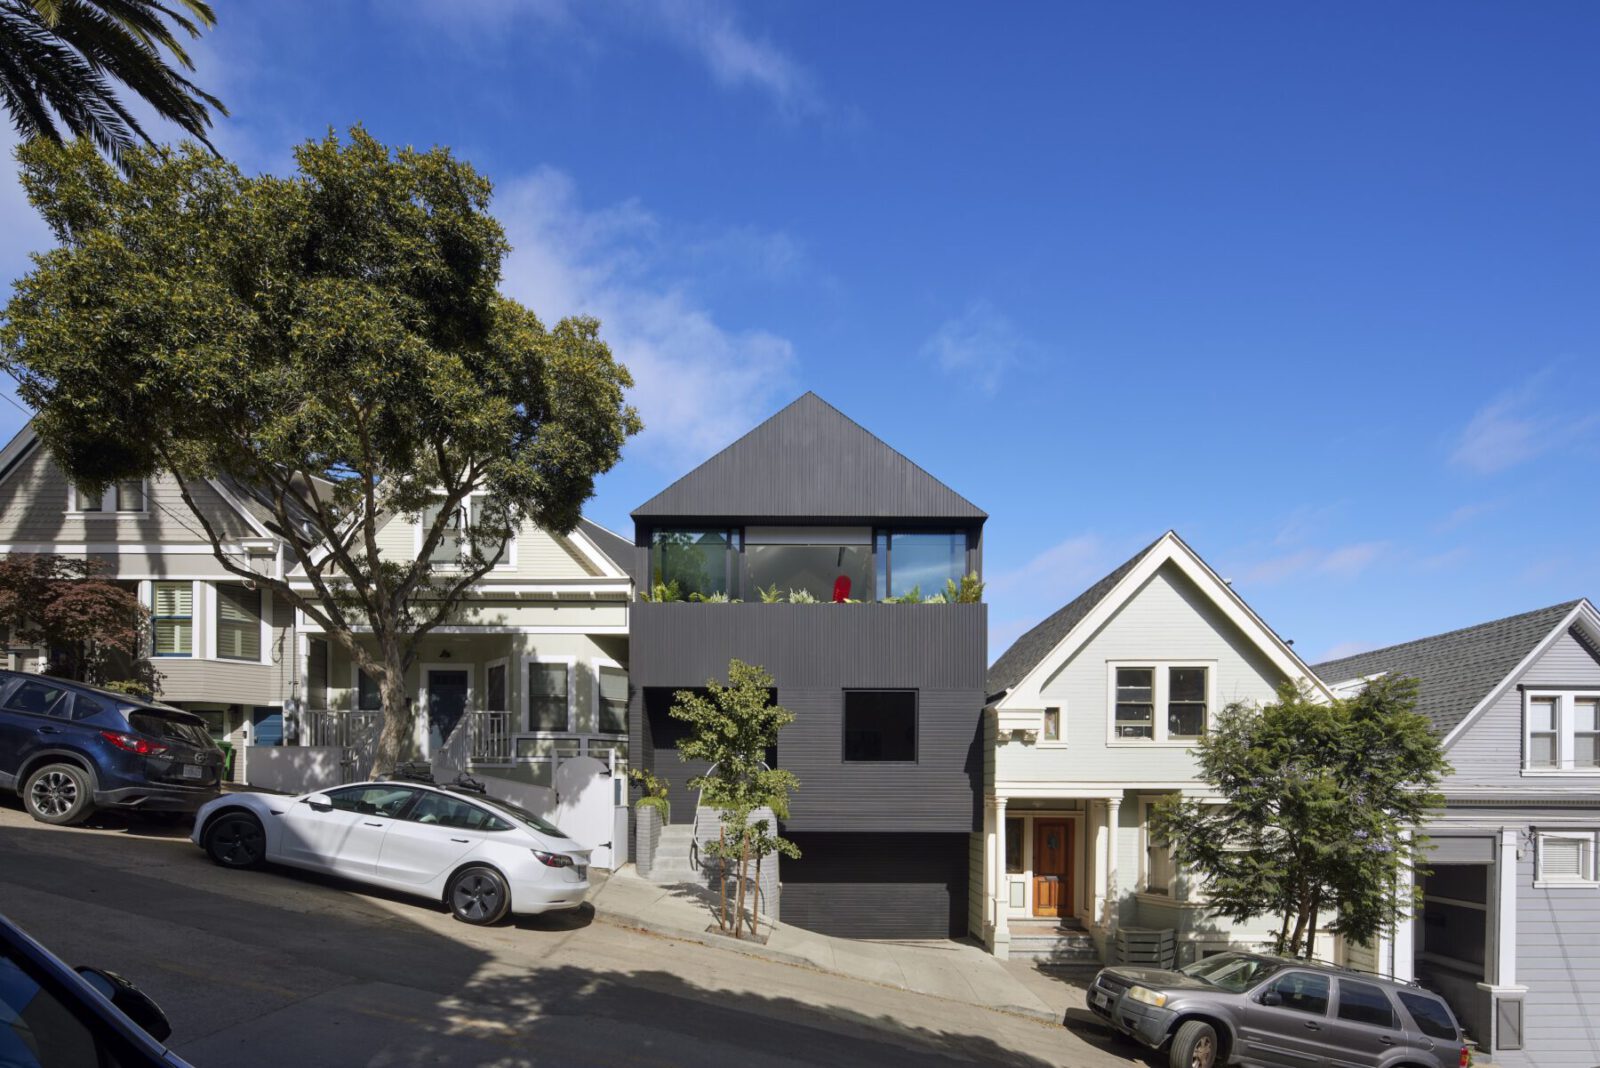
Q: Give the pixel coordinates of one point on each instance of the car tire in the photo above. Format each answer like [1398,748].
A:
[59,794]
[236,840]
[478,895]
[1195,1046]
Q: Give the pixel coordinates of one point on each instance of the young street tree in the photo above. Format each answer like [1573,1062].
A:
[89,628]
[1320,807]
[334,340]
[732,727]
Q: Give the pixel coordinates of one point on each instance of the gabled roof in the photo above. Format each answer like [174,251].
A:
[809,461]
[1459,669]
[1026,652]
[1032,658]
[617,549]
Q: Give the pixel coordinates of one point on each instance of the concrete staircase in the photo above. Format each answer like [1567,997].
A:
[675,859]
[1052,942]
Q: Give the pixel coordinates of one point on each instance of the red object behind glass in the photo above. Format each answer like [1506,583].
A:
[841,589]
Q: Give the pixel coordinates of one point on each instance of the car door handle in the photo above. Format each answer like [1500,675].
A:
[48,730]
[1313,1025]
[369,823]
[1387,1040]
[462,840]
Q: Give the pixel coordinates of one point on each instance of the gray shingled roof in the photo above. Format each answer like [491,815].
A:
[1457,669]
[809,461]
[618,550]
[1026,652]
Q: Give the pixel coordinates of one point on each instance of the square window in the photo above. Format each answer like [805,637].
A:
[1566,858]
[880,726]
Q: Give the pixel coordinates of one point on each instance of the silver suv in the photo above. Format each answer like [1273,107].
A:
[1274,1012]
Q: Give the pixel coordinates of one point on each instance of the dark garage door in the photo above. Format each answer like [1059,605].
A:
[878,885]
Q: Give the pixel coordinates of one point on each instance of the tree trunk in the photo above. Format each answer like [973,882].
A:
[1302,907]
[722,878]
[395,740]
[755,911]
[1283,935]
[744,866]
[1311,929]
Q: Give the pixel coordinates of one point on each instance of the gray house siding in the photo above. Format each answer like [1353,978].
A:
[1489,752]
[1558,960]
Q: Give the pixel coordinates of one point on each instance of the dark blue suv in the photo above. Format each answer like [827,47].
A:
[68,749]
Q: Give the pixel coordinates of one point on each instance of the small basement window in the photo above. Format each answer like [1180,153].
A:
[880,726]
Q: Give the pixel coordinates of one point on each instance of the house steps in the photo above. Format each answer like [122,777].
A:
[675,859]
[1052,942]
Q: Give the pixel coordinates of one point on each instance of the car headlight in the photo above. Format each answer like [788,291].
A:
[1147,996]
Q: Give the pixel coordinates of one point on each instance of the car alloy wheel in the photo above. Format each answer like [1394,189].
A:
[478,896]
[1204,1054]
[237,842]
[53,794]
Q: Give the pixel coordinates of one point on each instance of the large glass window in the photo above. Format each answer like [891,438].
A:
[880,725]
[699,561]
[238,622]
[547,696]
[173,618]
[828,564]
[613,700]
[1136,702]
[917,560]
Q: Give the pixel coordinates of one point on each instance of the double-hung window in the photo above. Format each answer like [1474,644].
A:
[549,687]
[1561,733]
[172,618]
[613,700]
[1159,702]
[130,495]
[238,622]
[1158,862]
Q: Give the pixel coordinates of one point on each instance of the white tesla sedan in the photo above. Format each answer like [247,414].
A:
[481,856]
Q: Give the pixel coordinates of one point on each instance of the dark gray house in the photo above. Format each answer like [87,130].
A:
[785,549]
[1509,929]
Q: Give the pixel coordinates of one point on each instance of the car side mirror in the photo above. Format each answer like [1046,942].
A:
[132,1002]
[318,802]
[1272,999]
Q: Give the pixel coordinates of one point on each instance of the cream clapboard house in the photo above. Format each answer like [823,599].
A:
[532,670]
[1091,718]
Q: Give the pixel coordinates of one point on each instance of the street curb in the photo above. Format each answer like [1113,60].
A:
[797,961]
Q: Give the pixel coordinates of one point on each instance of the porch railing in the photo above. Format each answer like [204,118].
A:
[492,734]
[338,726]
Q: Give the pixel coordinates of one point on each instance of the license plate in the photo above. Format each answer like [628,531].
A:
[1100,999]
[193,771]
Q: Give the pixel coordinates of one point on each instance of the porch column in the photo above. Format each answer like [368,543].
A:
[1097,878]
[1113,809]
[1403,963]
[1001,883]
[1503,913]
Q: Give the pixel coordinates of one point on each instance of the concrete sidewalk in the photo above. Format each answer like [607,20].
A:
[953,970]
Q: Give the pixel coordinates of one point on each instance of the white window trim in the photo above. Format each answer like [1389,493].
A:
[505,662]
[214,619]
[1158,698]
[595,664]
[508,562]
[108,502]
[1566,723]
[1053,743]
[1590,879]
[1171,892]
[572,693]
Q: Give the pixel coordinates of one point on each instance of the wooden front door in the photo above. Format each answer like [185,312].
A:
[1052,868]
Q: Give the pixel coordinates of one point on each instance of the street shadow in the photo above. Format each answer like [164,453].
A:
[143,824]
[1090,1030]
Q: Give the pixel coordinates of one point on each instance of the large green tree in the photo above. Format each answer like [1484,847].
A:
[63,60]
[335,340]
[1319,810]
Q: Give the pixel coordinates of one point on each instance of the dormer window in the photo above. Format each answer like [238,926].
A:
[1561,733]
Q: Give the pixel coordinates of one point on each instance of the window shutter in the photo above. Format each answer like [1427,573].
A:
[174,599]
[1564,858]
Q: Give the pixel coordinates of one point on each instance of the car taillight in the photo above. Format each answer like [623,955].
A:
[553,860]
[1466,1058]
[132,743]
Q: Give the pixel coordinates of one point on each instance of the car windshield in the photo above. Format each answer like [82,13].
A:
[523,816]
[1235,972]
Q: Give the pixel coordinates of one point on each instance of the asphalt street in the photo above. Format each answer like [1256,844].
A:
[278,968]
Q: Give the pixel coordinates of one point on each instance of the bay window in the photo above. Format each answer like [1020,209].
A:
[238,622]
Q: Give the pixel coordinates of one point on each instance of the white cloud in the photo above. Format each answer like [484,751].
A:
[698,384]
[1517,426]
[735,58]
[979,345]
[1345,561]
[1350,560]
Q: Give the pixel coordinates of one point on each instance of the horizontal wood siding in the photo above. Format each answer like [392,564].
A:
[1489,752]
[814,653]
[207,680]
[1169,618]
[1558,960]
[539,554]
[879,885]
[33,508]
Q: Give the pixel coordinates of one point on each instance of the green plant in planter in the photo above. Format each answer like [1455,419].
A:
[911,596]
[968,591]
[664,591]
[655,792]
[710,598]
[771,595]
[801,597]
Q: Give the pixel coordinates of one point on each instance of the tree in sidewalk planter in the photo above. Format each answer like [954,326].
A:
[731,728]
[1319,810]
[90,628]
[332,343]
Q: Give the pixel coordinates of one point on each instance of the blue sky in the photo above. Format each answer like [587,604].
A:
[1314,285]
